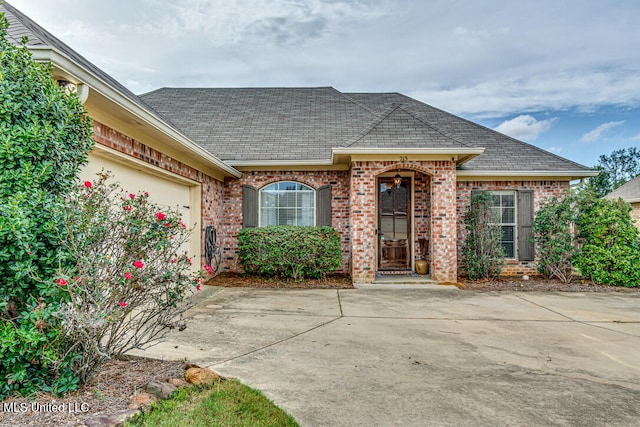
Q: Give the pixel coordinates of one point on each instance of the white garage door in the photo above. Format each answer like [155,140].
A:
[165,189]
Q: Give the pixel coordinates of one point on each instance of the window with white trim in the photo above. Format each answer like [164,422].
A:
[287,203]
[504,207]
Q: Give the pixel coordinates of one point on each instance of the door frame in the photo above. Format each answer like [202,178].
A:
[411,249]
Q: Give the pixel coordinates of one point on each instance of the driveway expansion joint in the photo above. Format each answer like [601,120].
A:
[594,324]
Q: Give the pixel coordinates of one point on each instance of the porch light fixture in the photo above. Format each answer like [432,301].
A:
[397,180]
[80,89]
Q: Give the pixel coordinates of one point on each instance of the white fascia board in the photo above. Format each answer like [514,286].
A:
[572,174]
[269,163]
[58,59]
[391,151]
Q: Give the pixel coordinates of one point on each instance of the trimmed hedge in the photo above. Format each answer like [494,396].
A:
[289,252]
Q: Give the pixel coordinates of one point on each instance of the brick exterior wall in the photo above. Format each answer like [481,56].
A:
[212,189]
[422,211]
[232,217]
[435,186]
[541,191]
[439,206]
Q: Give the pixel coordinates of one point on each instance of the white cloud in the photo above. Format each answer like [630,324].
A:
[594,135]
[502,96]
[235,22]
[486,59]
[525,127]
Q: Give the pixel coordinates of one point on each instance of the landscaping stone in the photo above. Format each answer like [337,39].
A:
[178,382]
[142,400]
[161,390]
[201,376]
[114,419]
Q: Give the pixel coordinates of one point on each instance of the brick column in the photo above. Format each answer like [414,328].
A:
[444,262]
[362,221]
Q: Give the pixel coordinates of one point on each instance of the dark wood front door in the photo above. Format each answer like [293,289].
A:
[394,220]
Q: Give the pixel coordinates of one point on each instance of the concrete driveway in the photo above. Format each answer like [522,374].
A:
[424,357]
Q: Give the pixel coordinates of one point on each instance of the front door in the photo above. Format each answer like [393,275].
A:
[394,219]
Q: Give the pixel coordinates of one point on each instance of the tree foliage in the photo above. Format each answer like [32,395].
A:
[610,245]
[615,169]
[555,239]
[44,139]
[483,254]
[593,236]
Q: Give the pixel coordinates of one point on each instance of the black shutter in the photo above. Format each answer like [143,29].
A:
[525,223]
[323,206]
[249,206]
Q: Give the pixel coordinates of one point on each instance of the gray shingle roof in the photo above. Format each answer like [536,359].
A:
[398,128]
[264,124]
[628,191]
[281,124]
[502,153]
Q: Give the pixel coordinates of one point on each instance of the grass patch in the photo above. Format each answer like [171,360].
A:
[227,403]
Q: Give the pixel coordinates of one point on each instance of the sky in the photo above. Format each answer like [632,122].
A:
[563,75]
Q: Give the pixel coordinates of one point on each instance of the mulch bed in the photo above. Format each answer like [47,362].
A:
[540,284]
[112,388]
[235,280]
[343,281]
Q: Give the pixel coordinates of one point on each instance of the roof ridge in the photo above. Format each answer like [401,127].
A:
[395,106]
[426,123]
[350,99]
[373,124]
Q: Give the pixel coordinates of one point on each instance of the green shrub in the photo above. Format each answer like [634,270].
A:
[289,252]
[610,244]
[483,254]
[44,139]
[556,244]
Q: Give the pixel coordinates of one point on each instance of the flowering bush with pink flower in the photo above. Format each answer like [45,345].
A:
[130,279]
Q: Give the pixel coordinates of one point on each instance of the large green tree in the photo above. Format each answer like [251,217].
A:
[615,169]
[45,136]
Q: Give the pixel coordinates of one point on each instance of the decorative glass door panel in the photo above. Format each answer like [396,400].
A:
[394,232]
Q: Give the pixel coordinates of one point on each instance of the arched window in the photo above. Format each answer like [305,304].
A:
[287,203]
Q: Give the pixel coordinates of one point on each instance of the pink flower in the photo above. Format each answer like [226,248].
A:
[138,264]
[122,304]
[127,208]
[209,269]
[60,281]
[189,261]
[146,194]
[167,224]
[160,216]
[198,287]
[88,184]
[128,275]
[132,196]
[173,260]
[182,224]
